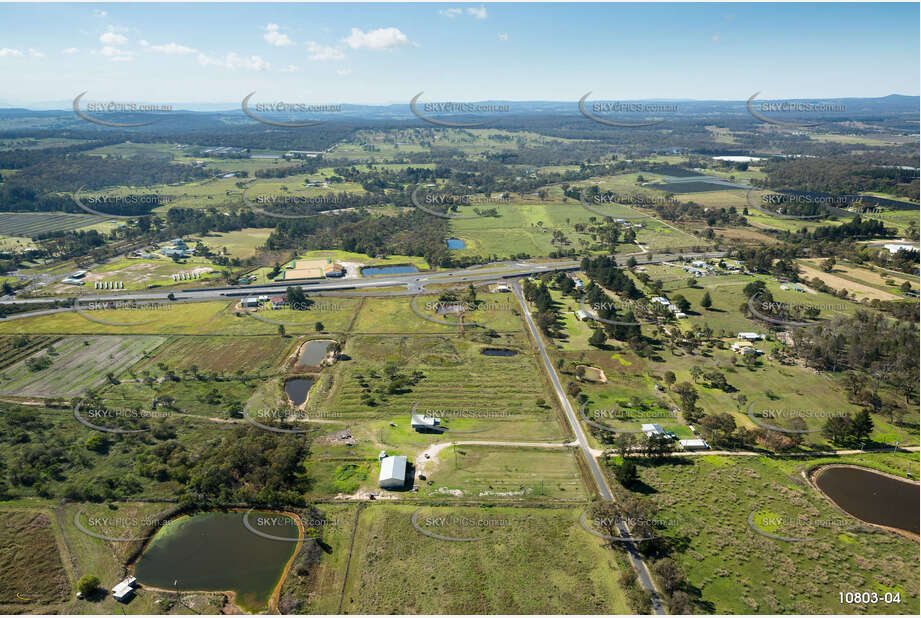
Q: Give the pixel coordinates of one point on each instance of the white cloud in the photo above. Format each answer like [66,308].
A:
[99,13]
[234,61]
[173,49]
[451,13]
[70,51]
[344,72]
[113,38]
[276,38]
[35,53]
[479,13]
[503,36]
[291,68]
[6,51]
[143,43]
[382,38]
[117,55]
[323,52]
[715,38]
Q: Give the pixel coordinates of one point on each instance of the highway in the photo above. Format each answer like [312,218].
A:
[414,283]
[642,571]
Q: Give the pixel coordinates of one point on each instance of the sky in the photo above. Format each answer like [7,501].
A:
[386,53]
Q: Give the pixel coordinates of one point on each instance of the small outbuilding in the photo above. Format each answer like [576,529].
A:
[693,445]
[124,590]
[653,429]
[421,422]
[393,472]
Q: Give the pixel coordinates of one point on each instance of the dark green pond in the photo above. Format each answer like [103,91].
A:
[872,497]
[297,389]
[215,551]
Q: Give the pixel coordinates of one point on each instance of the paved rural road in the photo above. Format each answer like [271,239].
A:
[636,559]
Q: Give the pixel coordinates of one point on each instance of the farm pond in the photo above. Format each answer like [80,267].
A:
[218,551]
[872,497]
[297,389]
[313,352]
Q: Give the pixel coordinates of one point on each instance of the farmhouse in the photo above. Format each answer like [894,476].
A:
[278,302]
[503,287]
[751,336]
[393,472]
[653,429]
[745,348]
[582,314]
[422,423]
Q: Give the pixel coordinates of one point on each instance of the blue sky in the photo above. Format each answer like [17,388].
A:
[386,53]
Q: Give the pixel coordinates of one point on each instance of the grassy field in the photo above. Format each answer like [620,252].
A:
[77,364]
[239,244]
[33,574]
[865,283]
[501,472]
[526,225]
[534,561]
[206,318]
[396,315]
[707,501]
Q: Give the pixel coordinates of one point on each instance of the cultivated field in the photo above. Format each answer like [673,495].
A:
[31,224]
[77,364]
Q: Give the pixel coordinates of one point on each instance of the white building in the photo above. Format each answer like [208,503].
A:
[896,247]
[124,589]
[751,336]
[421,422]
[653,429]
[393,472]
[693,445]
[250,301]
